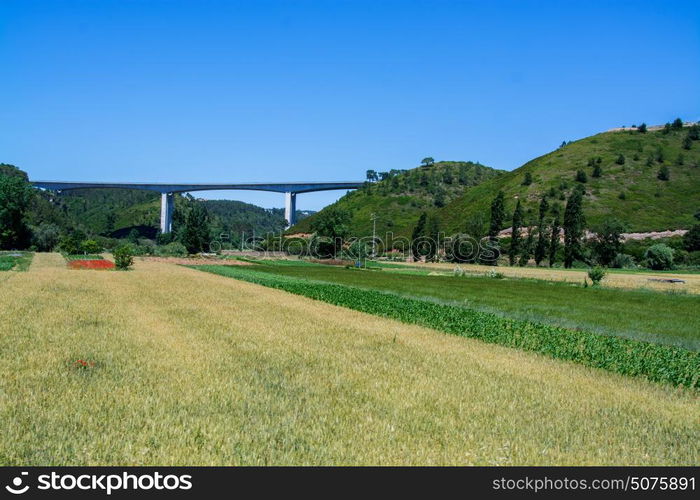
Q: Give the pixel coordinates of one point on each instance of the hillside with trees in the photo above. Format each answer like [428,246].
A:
[31,216]
[398,197]
[648,180]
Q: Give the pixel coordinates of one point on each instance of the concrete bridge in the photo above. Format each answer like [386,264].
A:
[290,190]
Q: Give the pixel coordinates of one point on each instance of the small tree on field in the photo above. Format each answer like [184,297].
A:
[642,129]
[608,241]
[596,275]
[554,240]
[124,257]
[597,171]
[620,160]
[528,179]
[664,173]
[677,124]
[581,176]
[90,246]
[427,162]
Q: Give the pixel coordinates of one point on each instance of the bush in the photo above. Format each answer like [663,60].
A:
[581,176]
[90,246]
[124,257]
[664,173]
[659,257]
[623,261]
[620,160]
[596,274]
[174,249]
[69,245]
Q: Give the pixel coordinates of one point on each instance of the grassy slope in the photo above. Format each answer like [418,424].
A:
[650,204]
[209,370]
[398,208]
[643,315]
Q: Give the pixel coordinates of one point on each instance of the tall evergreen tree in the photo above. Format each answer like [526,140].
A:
[498,215]
[541,247]
[554,240]
[527,247]
[432,231]
[573,227]
[417,234]
[515,247]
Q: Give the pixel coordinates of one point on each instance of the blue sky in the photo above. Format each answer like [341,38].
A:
[200,91]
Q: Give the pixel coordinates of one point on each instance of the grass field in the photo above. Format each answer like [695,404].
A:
[645,315]
[194,368]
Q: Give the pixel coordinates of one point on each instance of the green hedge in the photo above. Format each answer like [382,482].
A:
[659,363]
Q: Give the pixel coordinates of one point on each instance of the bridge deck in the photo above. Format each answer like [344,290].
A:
[285,187]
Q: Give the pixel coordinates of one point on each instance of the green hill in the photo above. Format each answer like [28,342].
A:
[628,187]
[400,197]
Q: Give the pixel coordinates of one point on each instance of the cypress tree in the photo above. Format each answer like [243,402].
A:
[541,247]
[418,232]
[515,235]
[573,227]
[498,214]
[554,241]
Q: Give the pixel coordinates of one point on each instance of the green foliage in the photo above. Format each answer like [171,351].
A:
[574,224]
[124,257]
[15,198]
[498,215]
[597,171]
[596,274]
[427,162]
[527,180]
[195,235]
[664,174]
[659,363]
[642,129]
[172,249]
[400,198]
[581,176]
[90,246]
[659,257]
[677,124]
[691,239]
[70,244]
[45,236]
[515,236]
[623,261]
[608,241]
[620,159]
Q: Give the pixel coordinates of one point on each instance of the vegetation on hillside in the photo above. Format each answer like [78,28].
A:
[398,197]
[648,180]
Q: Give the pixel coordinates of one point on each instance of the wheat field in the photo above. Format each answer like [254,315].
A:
[168,365]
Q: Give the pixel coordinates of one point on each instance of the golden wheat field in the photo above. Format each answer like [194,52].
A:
[169,365]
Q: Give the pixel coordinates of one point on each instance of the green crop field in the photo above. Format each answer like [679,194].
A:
[643,315]
[16,261]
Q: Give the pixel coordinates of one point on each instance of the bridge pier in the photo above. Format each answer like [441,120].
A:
[290,208]
[167,205]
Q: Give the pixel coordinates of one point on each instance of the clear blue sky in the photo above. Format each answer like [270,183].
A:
[202,91]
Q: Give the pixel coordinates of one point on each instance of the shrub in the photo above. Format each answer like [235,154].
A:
[596,274]
[581,176]
[174,249]
[124,257]
[623,261]
[90,246]
[659,257]
[528,179]
[664,174]
[620,160]
[69,245]
[597,171]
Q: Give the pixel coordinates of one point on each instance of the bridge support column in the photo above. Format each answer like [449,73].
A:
[167,205]
[290,208]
